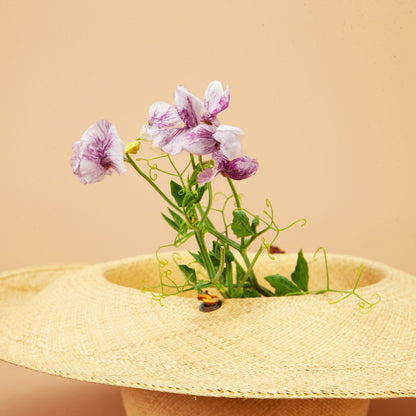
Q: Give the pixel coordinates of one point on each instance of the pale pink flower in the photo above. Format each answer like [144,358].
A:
[99,150]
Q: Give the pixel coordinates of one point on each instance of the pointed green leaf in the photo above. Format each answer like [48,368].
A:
[281,284]
[200,193]
[241,224]
[301,274]
[189,272]
[171,222]
[198,258]
[176,217]
[181,224]
[177,192]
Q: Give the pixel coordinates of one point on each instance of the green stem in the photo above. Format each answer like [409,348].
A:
[236,197]
[193,161]
[208,208]
[249,270]
[256,285]
[155,187]
[222,237]
[221,265]
[176,170]
[199,235]
[250,273]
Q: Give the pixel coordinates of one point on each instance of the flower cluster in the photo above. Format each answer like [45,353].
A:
[192,126]
[189,125]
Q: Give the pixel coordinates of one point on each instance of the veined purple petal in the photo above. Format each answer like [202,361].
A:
[216,99]
[241,168]
[169,140]
[199,140]
[206,176]
[99,150]
[227,137]
[189,107]
[91,172]
[220,163]
[163,115]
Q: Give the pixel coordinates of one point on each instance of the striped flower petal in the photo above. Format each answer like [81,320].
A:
[189,107]
[216,99]
[163,115]
[200,141]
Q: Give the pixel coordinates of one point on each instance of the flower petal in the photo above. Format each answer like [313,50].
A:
[99,150]
[199,140]
[227,136]
[169,140]
[90,172]
[206,176]
[189,107]
[241,168]
[216,99]
[163,115]
[220,163]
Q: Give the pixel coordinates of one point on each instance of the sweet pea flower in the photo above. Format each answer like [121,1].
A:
[99,150]
[191,124]
[205,139]
[240,168]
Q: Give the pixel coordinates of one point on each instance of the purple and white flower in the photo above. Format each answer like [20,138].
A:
[240,168]
[205,139]
[99,150]
[192,125]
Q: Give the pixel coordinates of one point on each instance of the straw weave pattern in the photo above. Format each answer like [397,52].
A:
[92,323]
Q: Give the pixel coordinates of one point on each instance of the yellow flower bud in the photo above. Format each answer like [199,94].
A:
[133,147]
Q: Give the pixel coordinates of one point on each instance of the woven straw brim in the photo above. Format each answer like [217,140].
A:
[91,323]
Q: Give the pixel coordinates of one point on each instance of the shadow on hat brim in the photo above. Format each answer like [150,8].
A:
[92,323]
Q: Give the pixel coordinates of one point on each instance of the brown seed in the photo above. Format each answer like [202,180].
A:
[276,250]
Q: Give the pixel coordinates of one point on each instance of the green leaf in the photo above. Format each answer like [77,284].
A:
[200,193]
[179,221]
[281,284]
[171,222]
[193,180]
[176,217]
[251,293]
[241,224]
[177,192]
[301,274]
[188,199]
[255,223]
[189,272]
[198,258]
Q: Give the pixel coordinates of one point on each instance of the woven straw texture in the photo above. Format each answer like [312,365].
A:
[91,323]
[139,402]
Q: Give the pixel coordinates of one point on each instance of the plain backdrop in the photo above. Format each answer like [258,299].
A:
[324,90]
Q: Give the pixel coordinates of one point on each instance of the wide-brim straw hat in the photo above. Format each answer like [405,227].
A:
[92,323]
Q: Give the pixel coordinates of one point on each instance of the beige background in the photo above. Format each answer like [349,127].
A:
[325,91]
